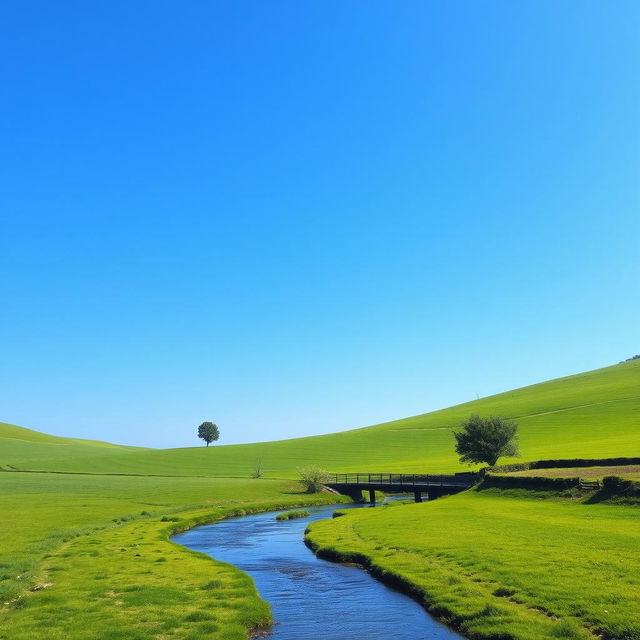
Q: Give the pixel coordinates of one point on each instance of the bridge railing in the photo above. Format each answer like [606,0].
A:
[404,479]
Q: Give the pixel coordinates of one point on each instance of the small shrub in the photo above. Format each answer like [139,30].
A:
[313,478]
[258,469]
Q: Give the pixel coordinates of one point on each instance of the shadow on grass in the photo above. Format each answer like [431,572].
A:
[632,498]
[295,491]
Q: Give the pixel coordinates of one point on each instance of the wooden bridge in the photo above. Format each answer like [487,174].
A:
[434,486]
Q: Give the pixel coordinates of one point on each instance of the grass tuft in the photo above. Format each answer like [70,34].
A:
[292,515]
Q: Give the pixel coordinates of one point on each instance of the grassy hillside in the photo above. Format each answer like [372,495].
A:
[593,414]
[27,448]
[13,432]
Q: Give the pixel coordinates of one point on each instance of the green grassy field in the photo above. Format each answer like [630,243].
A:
[100,544]
[504,564]
[593,414]
[93,542]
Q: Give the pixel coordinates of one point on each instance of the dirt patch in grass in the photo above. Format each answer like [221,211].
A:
[632,472]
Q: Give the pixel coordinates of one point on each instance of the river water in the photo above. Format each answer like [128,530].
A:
[312,599]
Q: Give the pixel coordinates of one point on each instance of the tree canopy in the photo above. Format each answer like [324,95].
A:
[208,431]
[486,439]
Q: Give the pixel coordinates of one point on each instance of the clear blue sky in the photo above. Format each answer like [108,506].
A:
[301,217]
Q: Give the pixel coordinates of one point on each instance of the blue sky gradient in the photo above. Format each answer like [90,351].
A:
[300,217]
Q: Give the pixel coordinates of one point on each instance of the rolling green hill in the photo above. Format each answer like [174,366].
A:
[593,414]
[25,449]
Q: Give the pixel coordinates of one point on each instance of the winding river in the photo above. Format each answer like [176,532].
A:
[312,599]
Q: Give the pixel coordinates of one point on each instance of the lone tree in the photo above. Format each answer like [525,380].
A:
[486,439]
[208,432]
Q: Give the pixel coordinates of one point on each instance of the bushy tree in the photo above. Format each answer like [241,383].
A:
[208,431]
[486,439]
[313,477]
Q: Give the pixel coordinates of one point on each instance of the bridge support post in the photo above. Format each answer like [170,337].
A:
[417,495]
[372,496]
[354,494]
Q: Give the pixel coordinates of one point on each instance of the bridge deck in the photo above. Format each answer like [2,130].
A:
[433,485]
[405,479]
